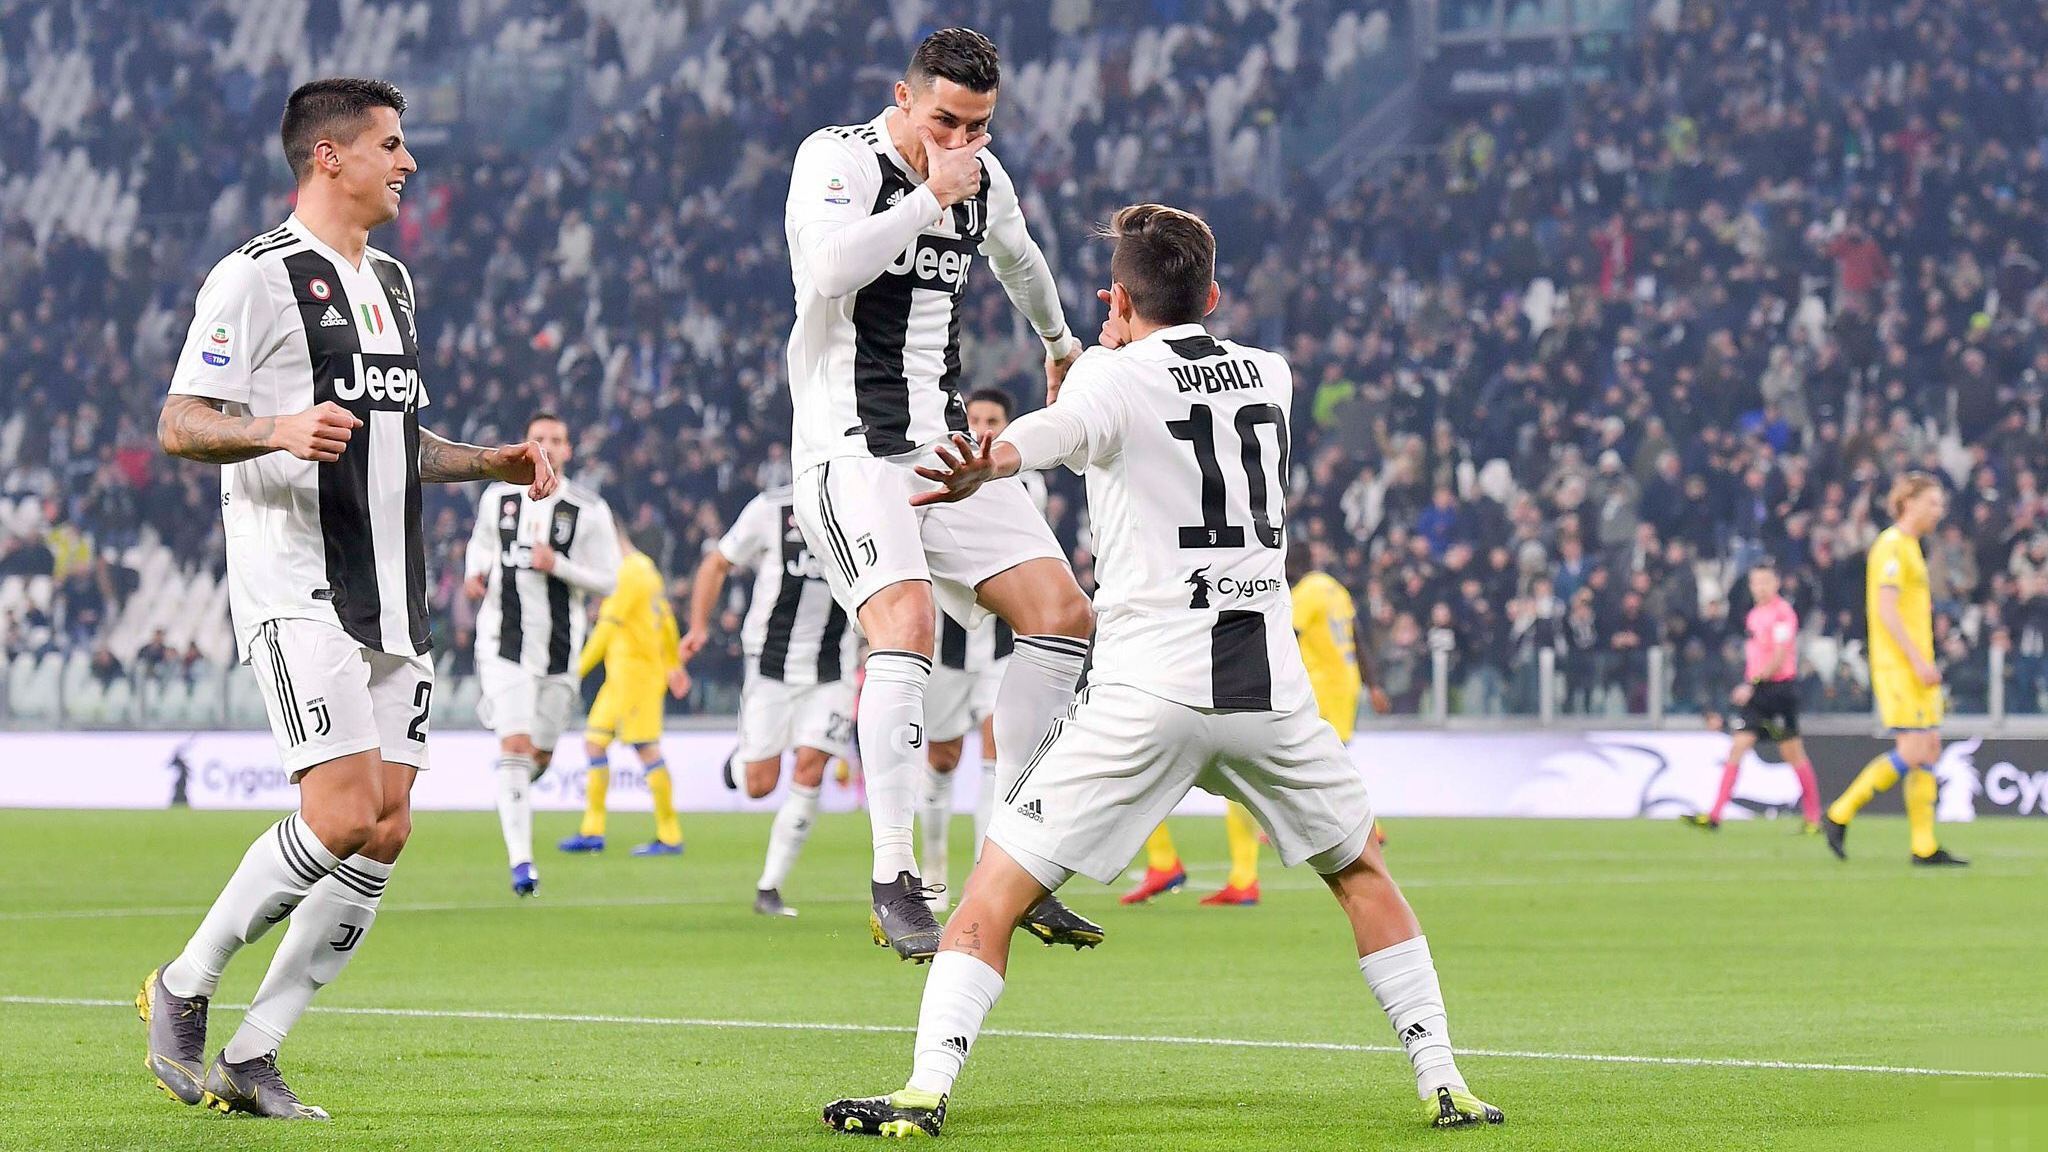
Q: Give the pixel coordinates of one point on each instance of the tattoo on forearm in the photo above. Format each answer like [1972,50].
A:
[197,429]
[446,462]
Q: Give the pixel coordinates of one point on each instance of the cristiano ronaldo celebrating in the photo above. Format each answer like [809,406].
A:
[884,221]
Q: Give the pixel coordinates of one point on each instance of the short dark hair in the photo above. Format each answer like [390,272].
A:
[961,55]
[1166,259]
[1764,564]
[335,109]
[541,414]
[996,396]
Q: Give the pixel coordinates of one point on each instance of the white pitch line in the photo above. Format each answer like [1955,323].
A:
[1084,1037]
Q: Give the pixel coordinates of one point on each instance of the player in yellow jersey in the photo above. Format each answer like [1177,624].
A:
[1903,675]
[636,639]
[1332,642]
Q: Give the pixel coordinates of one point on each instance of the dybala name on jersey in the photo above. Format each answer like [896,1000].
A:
[1222,376]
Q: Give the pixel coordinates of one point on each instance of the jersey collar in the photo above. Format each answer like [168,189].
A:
[881,124]
[1176,332]
[298,226]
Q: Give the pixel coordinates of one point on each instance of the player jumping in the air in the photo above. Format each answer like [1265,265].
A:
[1903,675]
[1184,443]
[1768,699]
[1332,637]
[798,691]
[965,681]
[532,563]
[301,375]
[635,640]
[884,221]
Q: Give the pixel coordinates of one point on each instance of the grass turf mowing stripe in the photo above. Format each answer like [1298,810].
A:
[1086,1037]
[1073,896]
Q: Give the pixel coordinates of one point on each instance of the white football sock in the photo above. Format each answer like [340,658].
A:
[515,806]
[892,752]
[786,838]
[958,996]
[324,934]
[274,876]
[935,817]
[985,803]
[1403,980]
[1037,688]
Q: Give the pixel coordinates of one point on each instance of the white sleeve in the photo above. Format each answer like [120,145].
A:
[233,328]
[834,239]
[752,535]
[482,556]
[595,570]
[1085,426]
[1020,264]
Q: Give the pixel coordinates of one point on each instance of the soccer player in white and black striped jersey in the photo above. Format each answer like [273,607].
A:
[884,221]
[534,564]
[799,691]
[301,375]
[1196,677]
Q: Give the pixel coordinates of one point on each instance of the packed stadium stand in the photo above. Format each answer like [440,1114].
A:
[1562,374]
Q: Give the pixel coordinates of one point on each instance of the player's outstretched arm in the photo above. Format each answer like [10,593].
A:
[980,460]
[704,591]
[447,462]
[195,428]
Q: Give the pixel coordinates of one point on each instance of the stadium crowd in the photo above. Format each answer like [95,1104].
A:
[1558,383]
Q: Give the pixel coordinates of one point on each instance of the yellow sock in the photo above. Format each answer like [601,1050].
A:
[667,828]
[599,783]
[1244,845]
[1160,855]
[1876,776]
[1920,793]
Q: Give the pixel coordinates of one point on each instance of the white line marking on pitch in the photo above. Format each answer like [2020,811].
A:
[1088,1037]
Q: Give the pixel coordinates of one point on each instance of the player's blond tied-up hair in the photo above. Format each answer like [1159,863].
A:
[1905,488]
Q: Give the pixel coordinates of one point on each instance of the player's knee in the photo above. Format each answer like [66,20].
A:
[344,824]
[541,759]
[761,777]
[810,768]
[1070,615]
[388,836]
[595,753]
[517,745]
[900,617]
[944,755]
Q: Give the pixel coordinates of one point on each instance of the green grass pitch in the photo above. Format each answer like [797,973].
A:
[588,1019]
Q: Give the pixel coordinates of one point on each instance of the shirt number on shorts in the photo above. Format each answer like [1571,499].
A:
[422,699]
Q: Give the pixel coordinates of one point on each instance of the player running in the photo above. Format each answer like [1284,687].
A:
[1768,701]
[532,563]
[798,692]
[301,375]
[1184,441]
[1332,638]
[884,220]
[962,693]
[1903,675]
[635,640]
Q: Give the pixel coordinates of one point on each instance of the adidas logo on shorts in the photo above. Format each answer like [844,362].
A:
[1030,808]
[333,318]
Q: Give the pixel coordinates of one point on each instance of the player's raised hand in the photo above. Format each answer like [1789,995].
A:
[1115,333]
[525,464]
[1056,373]
[319,433]
[962,475]
[953,174]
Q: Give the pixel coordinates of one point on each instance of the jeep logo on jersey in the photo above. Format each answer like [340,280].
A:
[937,263]
[389,381]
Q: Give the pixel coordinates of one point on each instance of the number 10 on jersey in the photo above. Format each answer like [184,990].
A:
[1199,430]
